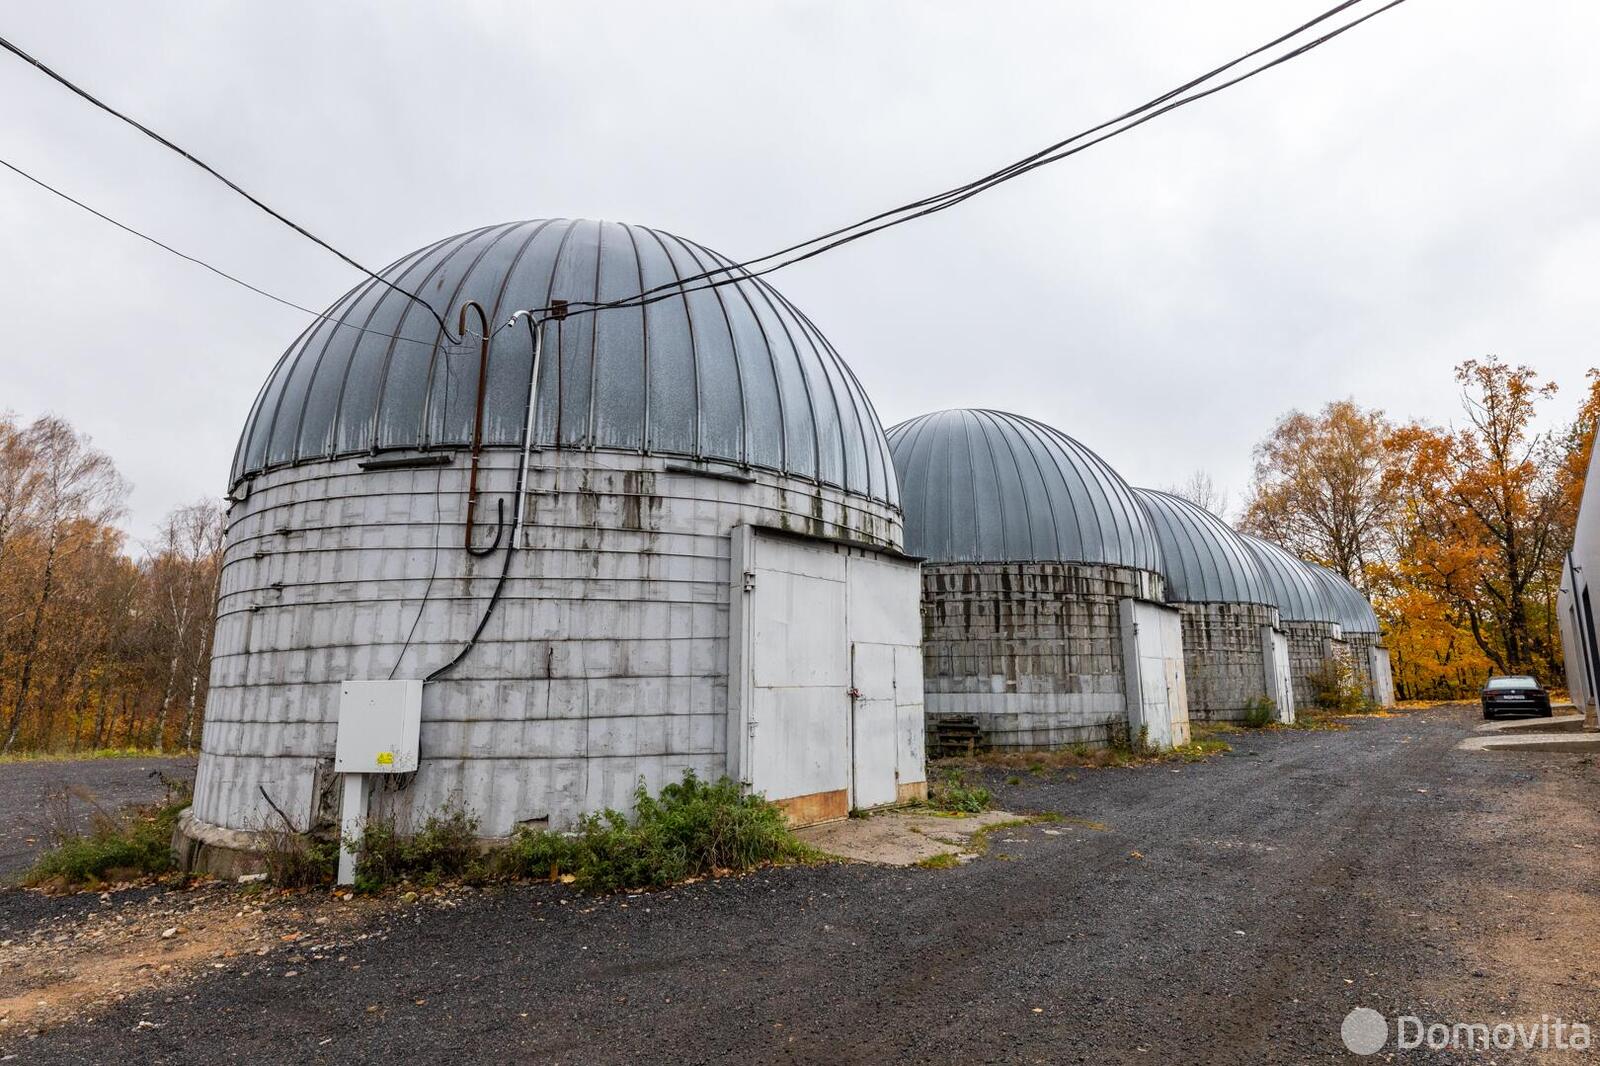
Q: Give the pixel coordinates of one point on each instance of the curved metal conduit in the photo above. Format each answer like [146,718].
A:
[536,336]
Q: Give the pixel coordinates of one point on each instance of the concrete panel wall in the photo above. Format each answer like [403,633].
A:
[1370,661]
[1031,651]
[1225,659]
[605,661]
[1312,647]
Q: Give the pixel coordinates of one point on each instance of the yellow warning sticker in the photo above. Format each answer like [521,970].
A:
[385,758]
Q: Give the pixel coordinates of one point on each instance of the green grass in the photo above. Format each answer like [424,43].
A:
[942,861]
[93,753]
[117,847]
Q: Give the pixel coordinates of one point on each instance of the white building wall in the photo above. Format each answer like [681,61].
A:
[606,660]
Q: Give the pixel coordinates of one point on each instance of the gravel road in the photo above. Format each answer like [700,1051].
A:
[110,784]
[1228,911]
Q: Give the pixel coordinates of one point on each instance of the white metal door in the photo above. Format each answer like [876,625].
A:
[798,723]
[1158,703]
[873,747]
[1280,683]
[1382,676]
[825,674]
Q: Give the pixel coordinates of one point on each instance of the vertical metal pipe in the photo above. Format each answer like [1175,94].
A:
[477,418]
[536,330]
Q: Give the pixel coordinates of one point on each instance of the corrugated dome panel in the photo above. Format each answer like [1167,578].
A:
[1294,587]
[733,374]
[1203,559]
[1355,611]
[987,486]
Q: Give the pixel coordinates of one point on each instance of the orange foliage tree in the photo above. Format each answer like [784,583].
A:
[97,649]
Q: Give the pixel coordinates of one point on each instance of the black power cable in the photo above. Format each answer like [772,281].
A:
[1004,173]
[944,201]
[209,169]
[339,323]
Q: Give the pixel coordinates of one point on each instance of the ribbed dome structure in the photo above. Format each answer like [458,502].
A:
[1294,587]
[733,374]
[987,486]
[1203,559]
[1355,611]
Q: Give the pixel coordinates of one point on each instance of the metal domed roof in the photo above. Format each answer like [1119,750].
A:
[987,486]
[734,374]
[1299,594]
[1355,611]
[1203,559]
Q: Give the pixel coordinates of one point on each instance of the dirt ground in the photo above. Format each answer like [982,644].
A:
[26,789]
[1232,910]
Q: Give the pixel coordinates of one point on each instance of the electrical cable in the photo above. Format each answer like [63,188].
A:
[536,339]
[209,169]
[1005,172]
[340,323]
[945,201]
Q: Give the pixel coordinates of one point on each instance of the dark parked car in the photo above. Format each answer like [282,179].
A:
[1514,695]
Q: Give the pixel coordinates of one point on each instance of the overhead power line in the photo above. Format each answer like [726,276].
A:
[733,273]
[1171,100]
[201,262]
[209,169]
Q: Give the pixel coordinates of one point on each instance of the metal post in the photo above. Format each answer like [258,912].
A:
[352,817]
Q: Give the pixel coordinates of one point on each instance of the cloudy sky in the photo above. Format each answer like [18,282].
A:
[1352,224]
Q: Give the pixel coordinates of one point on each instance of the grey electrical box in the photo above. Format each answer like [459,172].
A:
[378,726]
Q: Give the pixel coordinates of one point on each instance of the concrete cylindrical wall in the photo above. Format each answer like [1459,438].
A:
[1315,649]
[605,661]
[1225,658]
[1364,648]
[1030,654]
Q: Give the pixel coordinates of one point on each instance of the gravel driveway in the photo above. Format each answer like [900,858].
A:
[111,784]
[1227,911]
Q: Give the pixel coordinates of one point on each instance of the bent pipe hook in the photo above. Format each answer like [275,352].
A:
[477,428]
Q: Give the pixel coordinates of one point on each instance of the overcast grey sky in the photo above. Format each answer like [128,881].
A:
[1352,224]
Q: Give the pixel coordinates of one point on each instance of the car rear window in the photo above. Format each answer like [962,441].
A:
[1498,683]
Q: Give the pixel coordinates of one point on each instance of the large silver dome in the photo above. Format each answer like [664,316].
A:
[1294,587]
[1203,560]
[733,374]
[1355,612]
[987,486]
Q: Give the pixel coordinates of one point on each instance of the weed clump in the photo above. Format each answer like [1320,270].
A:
[693,829]
[117,846]
[444,847]
[1259,713]
[1338,690]
[300,860]
[952,793]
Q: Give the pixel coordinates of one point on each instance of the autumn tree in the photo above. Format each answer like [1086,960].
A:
[182,575]
[96,648]
[1319,487]
[74,488]
[1487,513]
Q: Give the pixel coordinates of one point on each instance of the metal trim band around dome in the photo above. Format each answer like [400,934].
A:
[733,374]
